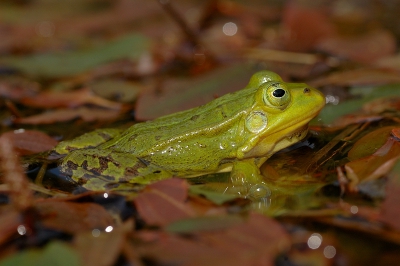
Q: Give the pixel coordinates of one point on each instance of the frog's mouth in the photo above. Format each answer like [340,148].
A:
[300,133]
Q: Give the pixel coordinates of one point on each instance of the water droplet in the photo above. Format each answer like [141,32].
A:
[259,191]
[329,252]
[229,29]
[314,241]
[96,232]
[21,229]
[109,229]
[353,209]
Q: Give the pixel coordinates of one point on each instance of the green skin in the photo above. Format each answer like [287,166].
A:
[236,132]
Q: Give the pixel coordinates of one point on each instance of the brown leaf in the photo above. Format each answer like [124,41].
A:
[62,115]
[100,247]
[30,141]
[305,26]
[13,175]
[390,209]
[56,99]
[72,217]
[254,242]
[365,48]
[164,202]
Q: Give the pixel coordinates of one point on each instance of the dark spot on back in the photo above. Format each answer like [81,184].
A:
[104,136]
[194,118]
[133,171]
[133,137]
[72,165]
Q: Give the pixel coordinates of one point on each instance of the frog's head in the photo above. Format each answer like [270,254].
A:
[280,114]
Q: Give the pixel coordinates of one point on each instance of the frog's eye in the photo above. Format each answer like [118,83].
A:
[277,96]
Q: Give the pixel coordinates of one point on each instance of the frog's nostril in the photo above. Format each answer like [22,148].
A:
[307,90]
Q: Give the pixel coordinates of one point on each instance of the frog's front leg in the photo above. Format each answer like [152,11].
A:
[247,180]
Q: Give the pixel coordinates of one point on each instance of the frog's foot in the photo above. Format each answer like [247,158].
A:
[247,181]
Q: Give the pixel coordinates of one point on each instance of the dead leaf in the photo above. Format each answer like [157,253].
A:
[13,175]
[30,141]
[56,99]
[256,241]
[72,217]
[164,202]
[63,115]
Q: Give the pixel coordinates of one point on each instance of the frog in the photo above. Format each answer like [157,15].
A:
[234,133]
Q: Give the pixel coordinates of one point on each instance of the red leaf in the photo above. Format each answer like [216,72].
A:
[30,141]
[163,202]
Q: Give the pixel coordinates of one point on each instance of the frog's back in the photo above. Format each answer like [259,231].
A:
[206,120]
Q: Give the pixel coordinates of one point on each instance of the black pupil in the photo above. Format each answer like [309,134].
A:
[278,93]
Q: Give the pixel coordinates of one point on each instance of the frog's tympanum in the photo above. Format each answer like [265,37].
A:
[234,133]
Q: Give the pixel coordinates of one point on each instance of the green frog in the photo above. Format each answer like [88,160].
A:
[234,133]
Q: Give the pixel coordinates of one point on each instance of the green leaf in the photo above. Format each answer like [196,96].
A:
[216,197]
[71,63]
[55,254]
[332,112]
[205,223]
